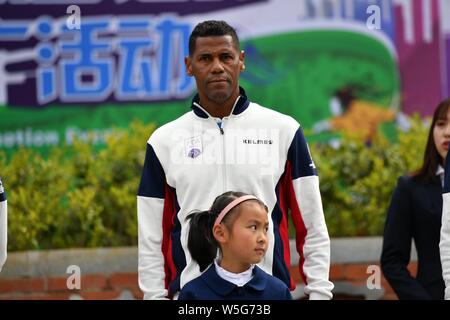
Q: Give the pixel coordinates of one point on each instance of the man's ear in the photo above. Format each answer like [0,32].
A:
[220,233]
[187,63]
[242,60]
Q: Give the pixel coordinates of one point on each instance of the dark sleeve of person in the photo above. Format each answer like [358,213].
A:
[397,239]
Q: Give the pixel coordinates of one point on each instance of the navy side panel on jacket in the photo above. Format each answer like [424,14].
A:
[279,268]
[153,178]
[300,158]
[301,165]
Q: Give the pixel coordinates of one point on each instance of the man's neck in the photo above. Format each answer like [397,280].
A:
[219,110]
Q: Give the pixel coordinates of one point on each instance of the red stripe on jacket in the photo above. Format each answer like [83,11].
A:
[291,199]
[284,227]
[168,224]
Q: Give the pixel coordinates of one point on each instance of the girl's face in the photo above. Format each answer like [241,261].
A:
[441,135]
[246,243]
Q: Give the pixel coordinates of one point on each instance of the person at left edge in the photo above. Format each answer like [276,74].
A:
[3,225]
[227,143]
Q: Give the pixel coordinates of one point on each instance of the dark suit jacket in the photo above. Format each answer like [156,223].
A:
[415,213]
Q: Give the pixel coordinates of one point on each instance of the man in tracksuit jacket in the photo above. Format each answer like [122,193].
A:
[227,143]
[3,225]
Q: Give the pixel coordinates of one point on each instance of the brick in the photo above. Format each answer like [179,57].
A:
[35,296]
[13,296]
[359,283]
[100,295]
[356,272]
[49,296]
[93,281]
[123,281]
[57,284]
[87,282]
[10,295]
[337,272]
[22,285]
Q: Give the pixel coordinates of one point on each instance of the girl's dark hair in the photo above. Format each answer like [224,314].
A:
[431,159]
[201,242]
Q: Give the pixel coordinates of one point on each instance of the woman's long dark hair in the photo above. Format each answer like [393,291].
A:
[201,242]
[432,159]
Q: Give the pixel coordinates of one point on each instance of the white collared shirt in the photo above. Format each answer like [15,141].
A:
[239,279]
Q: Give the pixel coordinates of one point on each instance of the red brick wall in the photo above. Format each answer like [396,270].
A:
[356,274]
[93,287]
[106,287]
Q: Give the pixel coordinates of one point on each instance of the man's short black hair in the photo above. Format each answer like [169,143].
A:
[211,28]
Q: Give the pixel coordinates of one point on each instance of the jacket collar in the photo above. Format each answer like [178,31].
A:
[240,105]
[224,288]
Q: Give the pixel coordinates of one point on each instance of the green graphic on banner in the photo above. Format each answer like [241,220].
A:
[303,72]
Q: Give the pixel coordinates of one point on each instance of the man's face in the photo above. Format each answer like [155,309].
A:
[216,64]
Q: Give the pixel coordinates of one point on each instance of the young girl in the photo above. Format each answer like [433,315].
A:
[237,225]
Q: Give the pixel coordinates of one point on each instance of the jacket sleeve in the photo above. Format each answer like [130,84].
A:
[444,244]
[396,250]
[150,207]
[305,204]
[3,228]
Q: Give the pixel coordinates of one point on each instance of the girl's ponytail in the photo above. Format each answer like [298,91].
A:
[201,243]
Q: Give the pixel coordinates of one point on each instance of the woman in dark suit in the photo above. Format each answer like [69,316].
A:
[415,213]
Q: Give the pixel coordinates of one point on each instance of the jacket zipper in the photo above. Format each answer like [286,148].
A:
[224,167]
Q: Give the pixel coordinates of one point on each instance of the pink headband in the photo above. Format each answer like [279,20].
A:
[231,205]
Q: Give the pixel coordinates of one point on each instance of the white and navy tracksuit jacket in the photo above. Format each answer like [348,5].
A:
[444,245]
[3,225]
[195,158]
